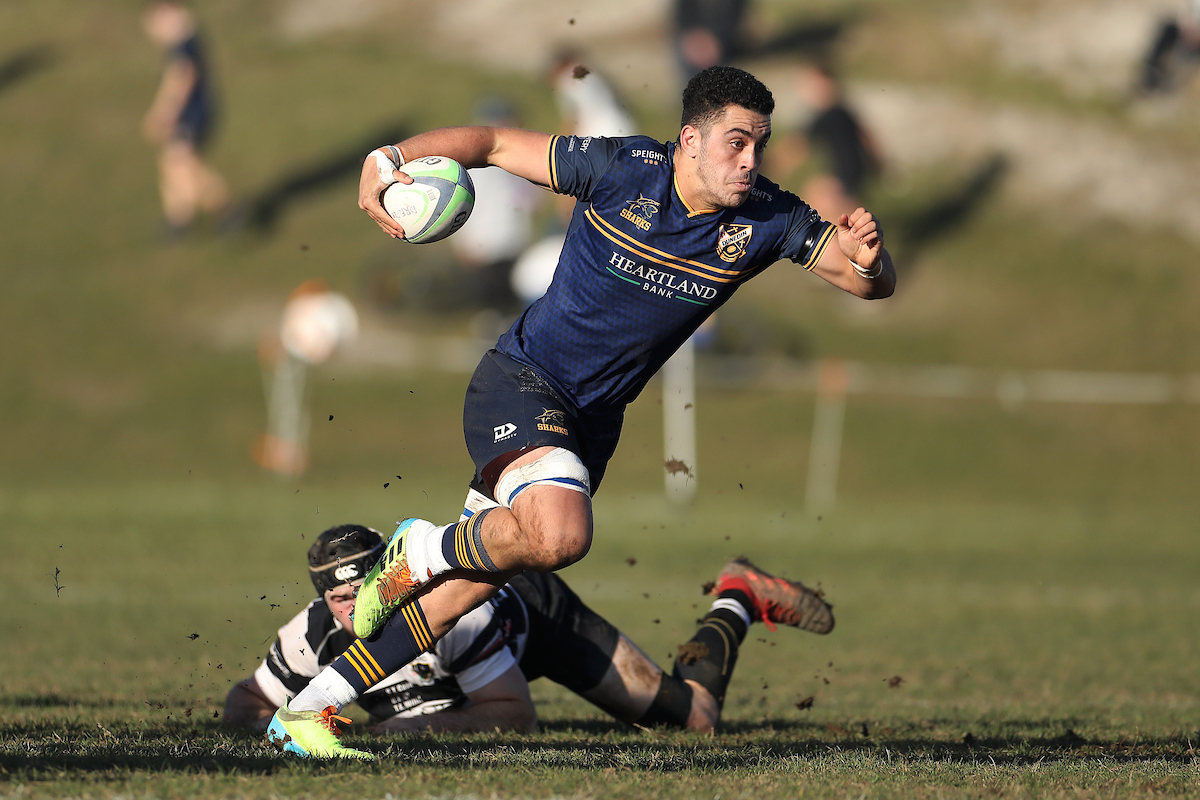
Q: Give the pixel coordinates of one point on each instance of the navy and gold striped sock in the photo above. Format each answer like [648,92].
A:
[404,637]
[462,545]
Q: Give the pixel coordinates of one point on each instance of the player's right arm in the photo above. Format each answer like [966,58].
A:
[525,154]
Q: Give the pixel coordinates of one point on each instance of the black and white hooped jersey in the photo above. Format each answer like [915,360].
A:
[479,649]
[640,270]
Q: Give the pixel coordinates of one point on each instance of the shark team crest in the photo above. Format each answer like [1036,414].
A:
[640,211]
[732,241]
[552,420]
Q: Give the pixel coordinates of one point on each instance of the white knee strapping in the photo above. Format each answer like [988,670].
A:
[559,467]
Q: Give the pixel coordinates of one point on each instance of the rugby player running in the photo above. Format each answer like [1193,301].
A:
[661,236]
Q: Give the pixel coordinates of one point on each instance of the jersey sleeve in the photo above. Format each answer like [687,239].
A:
[807,235]
[292,661]
[476,650]
[577,163]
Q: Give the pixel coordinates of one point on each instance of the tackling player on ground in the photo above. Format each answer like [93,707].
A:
[476,678]
[661,236]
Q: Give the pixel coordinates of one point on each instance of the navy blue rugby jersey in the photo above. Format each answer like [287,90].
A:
[640,270]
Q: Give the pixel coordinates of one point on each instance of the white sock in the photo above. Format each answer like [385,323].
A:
[425,559]
[329,688]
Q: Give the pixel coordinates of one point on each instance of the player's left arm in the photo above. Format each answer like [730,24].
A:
[503,704]
[859,264]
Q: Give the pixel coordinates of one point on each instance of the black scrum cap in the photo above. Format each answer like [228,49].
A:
[342,555]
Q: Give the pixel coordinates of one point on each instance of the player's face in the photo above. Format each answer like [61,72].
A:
[341,603]
[731,152]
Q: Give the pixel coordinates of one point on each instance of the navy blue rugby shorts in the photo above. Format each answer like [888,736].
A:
[511,408]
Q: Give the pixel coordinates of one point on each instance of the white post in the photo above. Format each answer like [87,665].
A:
[284,448]
[679,424]
[315,323]
[825,452]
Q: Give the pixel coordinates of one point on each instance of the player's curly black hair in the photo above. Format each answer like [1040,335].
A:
[709,91]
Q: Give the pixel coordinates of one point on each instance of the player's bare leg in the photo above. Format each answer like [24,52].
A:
[415,628]
[632,683]
[634,689]
[429,576]
[446,598]
[547,527]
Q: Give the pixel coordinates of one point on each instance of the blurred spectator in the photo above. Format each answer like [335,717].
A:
[1176,45]
[501,224]
[180,120]
[589,107]
[706,33]
[588,104]
[533,271]
[840,156]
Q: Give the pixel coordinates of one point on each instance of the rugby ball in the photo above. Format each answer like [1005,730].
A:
[435,204]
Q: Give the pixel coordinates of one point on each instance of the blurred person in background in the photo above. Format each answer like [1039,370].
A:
[589,106]
[706,33]
[835,151]
[180,119]
[476,678]
[588,103]
[500,227]
[1175,48]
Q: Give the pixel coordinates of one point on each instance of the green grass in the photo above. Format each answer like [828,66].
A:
[1029,650]
[1028,575]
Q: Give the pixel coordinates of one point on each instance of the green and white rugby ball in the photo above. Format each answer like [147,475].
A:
[435,204]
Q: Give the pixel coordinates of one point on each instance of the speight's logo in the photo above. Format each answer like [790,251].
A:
[640,211]
[552,420]
[732,241]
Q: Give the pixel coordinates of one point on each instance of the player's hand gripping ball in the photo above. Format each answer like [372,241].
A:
[435,204]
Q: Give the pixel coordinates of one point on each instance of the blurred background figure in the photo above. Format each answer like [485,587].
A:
[500,226]
[837,152]
[587,102]
[180,120]
[706,33]
[470,272]
[533,271]
[589,107]
[1174,52]
[316,322]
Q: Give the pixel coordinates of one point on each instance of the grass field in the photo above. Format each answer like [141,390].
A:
[1015,589]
